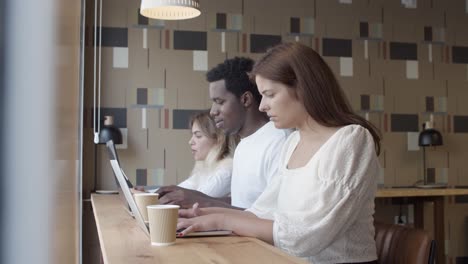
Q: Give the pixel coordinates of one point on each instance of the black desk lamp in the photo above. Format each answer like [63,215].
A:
[429,137]
[109,132]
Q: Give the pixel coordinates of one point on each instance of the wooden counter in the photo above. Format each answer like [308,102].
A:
[415,192]
[122,241]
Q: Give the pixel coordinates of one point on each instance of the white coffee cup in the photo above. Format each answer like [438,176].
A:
[163,224]
[142,200]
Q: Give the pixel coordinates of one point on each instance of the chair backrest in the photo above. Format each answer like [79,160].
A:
[399,244]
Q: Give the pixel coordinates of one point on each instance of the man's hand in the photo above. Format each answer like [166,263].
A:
[185,198]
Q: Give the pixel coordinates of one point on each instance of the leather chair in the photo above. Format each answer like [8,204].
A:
[399,244]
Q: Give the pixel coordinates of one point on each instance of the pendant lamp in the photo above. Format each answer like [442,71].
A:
[170,9]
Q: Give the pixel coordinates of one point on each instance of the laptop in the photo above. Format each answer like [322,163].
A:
[124,186]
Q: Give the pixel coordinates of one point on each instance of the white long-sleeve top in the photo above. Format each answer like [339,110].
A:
[323,212]
[214,182]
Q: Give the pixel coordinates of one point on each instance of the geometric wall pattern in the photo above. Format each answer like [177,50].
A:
[398,64]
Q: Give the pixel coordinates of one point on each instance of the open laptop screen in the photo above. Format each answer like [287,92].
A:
[113,156]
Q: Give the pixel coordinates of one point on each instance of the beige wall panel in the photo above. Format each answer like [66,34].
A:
[319,28]
[377,120]
[405,105]
[191,92]
[215,58]
[395,12]
[267,24]
[334,64]
[199,23]
[460,32]
[368,4]
[433,17]
[176,63]
[257,7]
[132,10]
[155,39]
[389,177]
[449,71]
[390,69]
[421,87]
[143,77]
[409,95]
[144,72]
[425,70]
[456,15]
[452,179]
[457,143]
[361,68]
[188,89]
[430,6]
[396,153]
[423,53]
[114,13]
[137,137]
[333,9]
[457,97]
[114,82]
[462,176]
[377,66]
[157,142]
[407,176]
[346,89]
[341,27]
[232,41]
[359,49]
[360,86]
[297,8]
[222,6]
[411,32]
[369,11]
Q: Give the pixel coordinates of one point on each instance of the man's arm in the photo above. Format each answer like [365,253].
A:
[185,198]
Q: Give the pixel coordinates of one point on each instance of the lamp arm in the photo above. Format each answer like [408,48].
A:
[424,166]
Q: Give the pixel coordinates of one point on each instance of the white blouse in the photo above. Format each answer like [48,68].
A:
[214,183]
[323,211]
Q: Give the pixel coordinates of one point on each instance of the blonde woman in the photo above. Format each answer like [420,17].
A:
[212,151]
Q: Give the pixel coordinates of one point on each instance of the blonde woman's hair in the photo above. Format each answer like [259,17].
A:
[224,146]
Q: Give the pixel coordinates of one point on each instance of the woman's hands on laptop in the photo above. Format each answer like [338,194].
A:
[200,223]
[190,213]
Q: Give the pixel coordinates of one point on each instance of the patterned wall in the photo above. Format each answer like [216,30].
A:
[398,61]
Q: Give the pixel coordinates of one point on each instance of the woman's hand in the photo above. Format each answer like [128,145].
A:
[190,213]
[200,223]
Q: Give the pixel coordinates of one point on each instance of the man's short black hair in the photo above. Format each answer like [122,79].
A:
[234,73]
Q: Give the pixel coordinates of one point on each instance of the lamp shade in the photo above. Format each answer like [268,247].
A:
[110,133]
[170,9]
[430,137]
